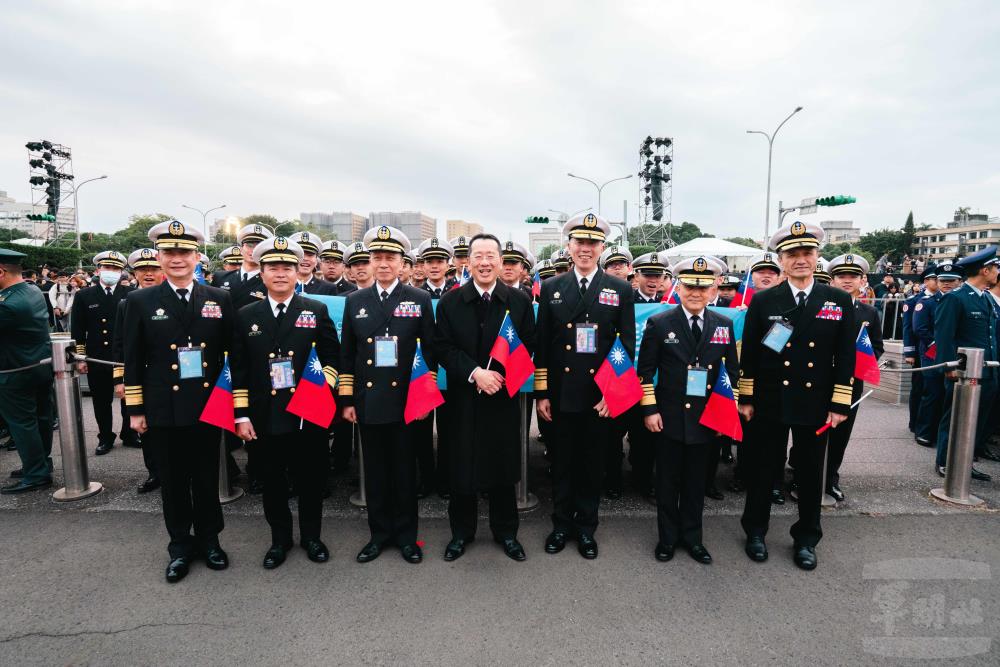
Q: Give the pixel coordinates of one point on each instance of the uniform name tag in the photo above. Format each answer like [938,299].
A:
[211,310]
[697,381]
[608,297]
[777,336]
[93,305]
[386,355]
[586,338]
[282,373]
[721,336]
[407,309]
[306,320]
[189,363]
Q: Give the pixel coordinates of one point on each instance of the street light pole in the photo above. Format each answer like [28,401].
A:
[770,150]
[599,187]
[76,208]
[204,219]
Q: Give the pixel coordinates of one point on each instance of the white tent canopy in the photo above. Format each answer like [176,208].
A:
[735,255]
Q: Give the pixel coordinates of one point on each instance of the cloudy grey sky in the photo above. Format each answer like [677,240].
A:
[476,110]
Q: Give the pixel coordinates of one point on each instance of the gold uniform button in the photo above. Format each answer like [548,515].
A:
[812,344]
[176,388]
[273,392]
[394,383]
[569,347]
[395,337]
[788,344]
[104,331]
[784,382]
[107,343]
[368,384]
[173,367]
[810,364]
[103,320]
[566,370]
[708,386]
[204,345]
[788,363]
[369,340]
[291,390]
[687,406]
[369,362]
[690,366]
[205,385]
[270,355]
[710,367]
[291,353]
[204,364]
[569,325]
[809,385]
[591,371]
[173,346]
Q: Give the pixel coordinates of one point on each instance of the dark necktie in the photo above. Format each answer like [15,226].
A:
[437,292]
[182,295]
[583,286]
[243,277]
[107,290]
[801,296]
[385,296]
[281,313]
[695,328]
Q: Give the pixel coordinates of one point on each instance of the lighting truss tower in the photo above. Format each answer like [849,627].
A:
[51,179]
[656,179]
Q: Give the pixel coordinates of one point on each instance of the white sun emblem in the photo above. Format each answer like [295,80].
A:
[316,366]
[866,341]
[510,334]
[416,362]
[229,375]
[618,356]
[725,380]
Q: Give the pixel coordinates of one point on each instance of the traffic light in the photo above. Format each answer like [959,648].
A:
[37,164]
[41,217]
[835,200]
[34,146]
[537,220]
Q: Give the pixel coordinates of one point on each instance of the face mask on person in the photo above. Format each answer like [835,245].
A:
[110,278]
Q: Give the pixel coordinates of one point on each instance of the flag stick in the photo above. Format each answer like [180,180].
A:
[822,429]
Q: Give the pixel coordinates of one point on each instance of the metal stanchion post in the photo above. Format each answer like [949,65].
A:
[227,492]
[359,499]
[525,500]
[962,431]
[71,437]
[826,500]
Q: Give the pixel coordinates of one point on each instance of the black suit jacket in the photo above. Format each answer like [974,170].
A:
[669,348]
[561,374]
[320,286]
[156,324]
[242,293]
[258,338]
[92,319]
[379,393]
[343,286]
[814,372]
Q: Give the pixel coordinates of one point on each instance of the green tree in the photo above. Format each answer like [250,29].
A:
[547,251]
[637,250]
[889,242]
[909,233]
[743,240]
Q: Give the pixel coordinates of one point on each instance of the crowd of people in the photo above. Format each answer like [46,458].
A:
[157,328]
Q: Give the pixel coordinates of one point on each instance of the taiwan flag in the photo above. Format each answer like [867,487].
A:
[671,296]
[865,364]
[423,394]
[536,286]
[617,379]
[199,273]
[721,414]
[313,398]
[510,351]
[219,410]
[931,351]
[746,290]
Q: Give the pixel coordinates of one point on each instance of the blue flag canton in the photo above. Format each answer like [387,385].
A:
[864,342]
[314,369]
[509,333]
[199,273]
[618,358]
[723,386]
[419,365]
[225,381]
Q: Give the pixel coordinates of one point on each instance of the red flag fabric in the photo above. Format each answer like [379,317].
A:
[423,394]
[721,413]
[617,379]
[931,351]
[219,410]
[313,400]
[509,351]
[671,296]
[865,363]
[536,285]
[746,291]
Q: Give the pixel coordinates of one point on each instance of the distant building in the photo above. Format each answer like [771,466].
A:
[416,225]
[540,239]
[14,220]
[966,233]
[345,226]
[462,228]
[840,231]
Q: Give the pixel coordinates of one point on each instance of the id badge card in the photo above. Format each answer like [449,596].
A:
[386,355]
[697,382]
[586,338]
[777,336]
[189,363]
[282,373]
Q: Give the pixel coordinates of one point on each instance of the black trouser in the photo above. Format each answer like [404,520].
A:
[149,458]
[768,435]
[839,437]
[916,390]
[680,489]
[578,470]
[444,430]
[712,458]
[463,512]
[343,445]
[26,407]
[931,405]
[614,453]
[390,487]
[304,455]
[641,451]
[102,396]
[422,433]
[188,461]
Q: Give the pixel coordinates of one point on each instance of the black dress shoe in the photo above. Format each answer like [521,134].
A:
[11,445]
[412,553]
[103,448]
[587,546]
[940,470]
[793,491]
[713,493]
[454,550]
[255,487]
[835,491]
[727,456]
[131,442]
[151,484]
[513,549]
[444,494]
[980,475]
[369,552]
[275,556]
[216,558]
[756,549]
[24,487]
[990,455]
[613,493]
[555,542]
[316,551]
[17,473]
[177,569]
[736,486]
[700,553]
[777,497]
[663,552]
[923,442]
[805,557]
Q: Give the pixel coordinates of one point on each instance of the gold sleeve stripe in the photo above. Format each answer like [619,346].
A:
[241,402]
[541,383]
[841,400]
[331,375]
[842,387]
[118,372]
[133,395]
[745,387]
[81,350]
[648,399]
[346,390]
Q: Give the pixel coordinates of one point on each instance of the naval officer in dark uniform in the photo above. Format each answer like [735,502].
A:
[177,336]
[92,326]
[272,344]
[685,348]
[308,281]
[796,374]
[580,314]
[331,259]
[382,324]
[616,261]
